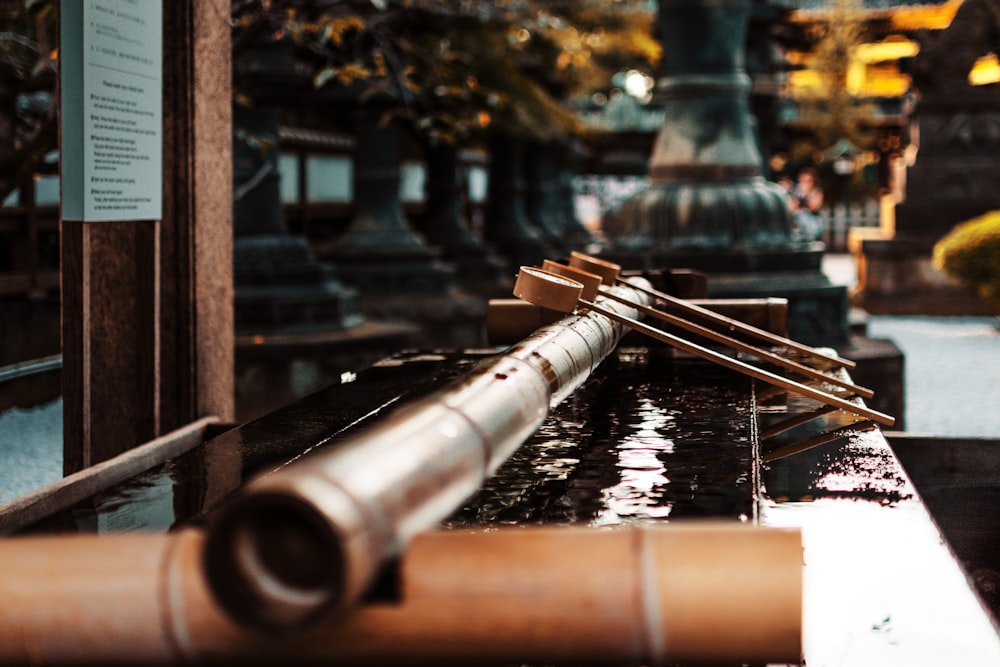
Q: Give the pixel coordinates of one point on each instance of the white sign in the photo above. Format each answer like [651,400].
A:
[111,71]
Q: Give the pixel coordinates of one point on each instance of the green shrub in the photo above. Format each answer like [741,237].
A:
[971,254]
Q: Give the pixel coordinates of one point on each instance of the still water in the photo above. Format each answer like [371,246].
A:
[647,439]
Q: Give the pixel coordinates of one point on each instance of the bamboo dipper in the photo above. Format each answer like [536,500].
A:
[564,294]
[590,288]
[609,274]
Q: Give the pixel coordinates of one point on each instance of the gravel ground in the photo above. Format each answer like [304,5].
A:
[30,448]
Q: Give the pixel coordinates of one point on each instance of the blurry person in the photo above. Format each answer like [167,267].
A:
[807,199]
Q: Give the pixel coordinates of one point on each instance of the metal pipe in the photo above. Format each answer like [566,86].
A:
[308,539]
[30,367]
[698,593]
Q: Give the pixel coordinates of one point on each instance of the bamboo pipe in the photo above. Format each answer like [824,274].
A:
[698,593]
[552,291]
[586,279]
[609,272]
[307,540]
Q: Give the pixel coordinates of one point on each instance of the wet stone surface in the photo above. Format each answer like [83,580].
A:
[857,466]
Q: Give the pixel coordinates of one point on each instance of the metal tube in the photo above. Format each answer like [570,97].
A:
[307,540]
[698,593]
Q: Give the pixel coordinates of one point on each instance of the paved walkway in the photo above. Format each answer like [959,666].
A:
[952,366]
[952,373]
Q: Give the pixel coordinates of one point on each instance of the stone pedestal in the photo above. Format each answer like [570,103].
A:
[445,225]
[895,277]
[548,197]
[379,254]
[708,206]
[953,180]
[507,223]
[279,284]
[399,276]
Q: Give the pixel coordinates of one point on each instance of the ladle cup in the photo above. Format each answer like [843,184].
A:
[549,290]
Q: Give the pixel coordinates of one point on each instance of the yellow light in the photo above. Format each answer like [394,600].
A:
[886,51]
[985,71]
[929,17]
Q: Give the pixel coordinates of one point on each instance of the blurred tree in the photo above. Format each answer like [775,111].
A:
[28,119]
[828,111]
[970,253]
[454,68]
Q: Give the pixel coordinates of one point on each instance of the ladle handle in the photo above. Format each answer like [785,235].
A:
[794,422]
[741,367]
[736,344]
[815,441]
[736,325]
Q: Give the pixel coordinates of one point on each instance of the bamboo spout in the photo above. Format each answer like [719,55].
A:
[713,593]
[307,540]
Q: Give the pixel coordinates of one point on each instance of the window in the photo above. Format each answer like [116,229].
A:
[412,181]
[329,178]
[47,190]
[478,179]
[288,170]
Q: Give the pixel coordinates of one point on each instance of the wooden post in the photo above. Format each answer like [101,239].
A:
[147,304]
[196,376]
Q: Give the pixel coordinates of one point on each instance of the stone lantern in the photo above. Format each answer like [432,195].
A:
[708,206]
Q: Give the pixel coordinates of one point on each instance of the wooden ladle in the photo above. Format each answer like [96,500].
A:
[588,279]
[609,274]
[555,292]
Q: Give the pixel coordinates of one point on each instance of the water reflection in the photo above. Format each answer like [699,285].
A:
[810,452]
[643,439]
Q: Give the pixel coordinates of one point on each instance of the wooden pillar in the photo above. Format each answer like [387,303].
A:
[110,324]
[147,305]
[196,377]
